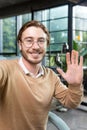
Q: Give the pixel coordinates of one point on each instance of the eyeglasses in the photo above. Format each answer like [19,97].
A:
[28,42]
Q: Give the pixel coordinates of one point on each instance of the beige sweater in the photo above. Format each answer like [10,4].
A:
[25,101]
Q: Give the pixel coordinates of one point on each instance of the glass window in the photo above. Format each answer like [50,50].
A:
[56,47]
[45,15]
[47,24]
[80,11]
[59,24]
[22,19]
[80,31]
[80,36]
[85,36]
[41,15]
[80,24]
[26,18]
[38,15]
[56,20]
[9,35]
[59,37]
[59,12]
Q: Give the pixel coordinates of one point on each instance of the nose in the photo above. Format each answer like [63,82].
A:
[35,45]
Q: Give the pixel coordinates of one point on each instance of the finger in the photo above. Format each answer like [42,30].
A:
[68,58]
[74,57]
[60,72]
[81,61]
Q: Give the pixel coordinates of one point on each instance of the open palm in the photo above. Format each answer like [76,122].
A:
[74,73]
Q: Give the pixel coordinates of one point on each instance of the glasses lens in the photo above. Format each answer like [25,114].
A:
[29,42]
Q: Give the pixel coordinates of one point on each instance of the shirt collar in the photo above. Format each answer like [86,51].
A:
[41,71]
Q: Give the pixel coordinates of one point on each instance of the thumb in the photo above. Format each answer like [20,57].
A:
[61,72]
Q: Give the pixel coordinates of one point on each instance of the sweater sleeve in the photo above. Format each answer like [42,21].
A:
[69,96]
[3,74]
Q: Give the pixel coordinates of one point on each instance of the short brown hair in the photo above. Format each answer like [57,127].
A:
[35,24]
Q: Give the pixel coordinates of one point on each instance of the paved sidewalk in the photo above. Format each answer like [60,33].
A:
[76,119]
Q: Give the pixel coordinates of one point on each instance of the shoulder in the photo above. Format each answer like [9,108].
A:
[8,61]
[50,71]
[7,64]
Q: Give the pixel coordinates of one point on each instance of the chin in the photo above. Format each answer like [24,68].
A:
[34,61]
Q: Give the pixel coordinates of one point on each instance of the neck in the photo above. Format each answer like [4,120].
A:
[33,68]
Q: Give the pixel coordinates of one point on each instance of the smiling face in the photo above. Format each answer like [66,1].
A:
[35,53]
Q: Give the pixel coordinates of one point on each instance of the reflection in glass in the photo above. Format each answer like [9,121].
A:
[80,31]
[41,15]
[37,15]
[59,12]
[46,24]
[26,18]
[59,37]
[9,35]
[59,24]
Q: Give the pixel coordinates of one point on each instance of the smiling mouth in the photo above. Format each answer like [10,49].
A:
[35,53]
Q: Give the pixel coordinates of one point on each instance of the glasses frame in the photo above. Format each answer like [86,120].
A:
[28,42]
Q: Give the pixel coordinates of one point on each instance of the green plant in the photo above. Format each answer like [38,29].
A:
[75,45]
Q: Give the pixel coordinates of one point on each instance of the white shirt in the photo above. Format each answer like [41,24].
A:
[40,73]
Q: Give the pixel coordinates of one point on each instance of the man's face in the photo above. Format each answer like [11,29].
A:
[33,45]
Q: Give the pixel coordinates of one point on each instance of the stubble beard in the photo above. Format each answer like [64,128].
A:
[33,62]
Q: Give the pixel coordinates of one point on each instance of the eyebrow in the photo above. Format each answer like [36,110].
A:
[28,37]
[33,37]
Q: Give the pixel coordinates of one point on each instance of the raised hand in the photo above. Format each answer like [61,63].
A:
[74,73]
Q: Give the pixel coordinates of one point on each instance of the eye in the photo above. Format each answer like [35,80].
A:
[29,40]
[41,40]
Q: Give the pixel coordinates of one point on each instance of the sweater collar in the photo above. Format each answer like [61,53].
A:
[41,71]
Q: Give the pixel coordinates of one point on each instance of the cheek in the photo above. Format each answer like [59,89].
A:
[45,47]
[21,48]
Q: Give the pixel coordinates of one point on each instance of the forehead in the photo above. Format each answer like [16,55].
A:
[34,32]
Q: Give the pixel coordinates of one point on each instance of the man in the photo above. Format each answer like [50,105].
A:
[27,88]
